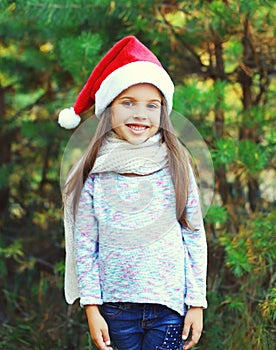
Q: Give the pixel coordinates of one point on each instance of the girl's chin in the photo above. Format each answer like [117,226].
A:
[134,138]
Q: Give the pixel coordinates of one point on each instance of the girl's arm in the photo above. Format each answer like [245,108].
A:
[87,265]
[195,246]
[98,327]
[87,248]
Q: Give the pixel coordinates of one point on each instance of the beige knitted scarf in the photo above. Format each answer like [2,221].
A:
[122,157]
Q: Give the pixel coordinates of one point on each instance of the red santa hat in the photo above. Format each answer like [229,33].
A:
[127,63]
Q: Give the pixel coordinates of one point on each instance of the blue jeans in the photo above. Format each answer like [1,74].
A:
[143,326]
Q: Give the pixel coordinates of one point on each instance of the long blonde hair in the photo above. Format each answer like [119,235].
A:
[178,158]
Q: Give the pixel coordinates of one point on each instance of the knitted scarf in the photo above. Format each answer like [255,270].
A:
[122,157]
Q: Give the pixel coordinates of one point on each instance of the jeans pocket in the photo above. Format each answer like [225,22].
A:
[173,338]
[111,310]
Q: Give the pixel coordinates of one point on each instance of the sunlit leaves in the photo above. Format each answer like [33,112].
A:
[80,54]
[14,250]
[233,50]
[268,307]
[244,156]
[253,248]
[225,151]
[23,100]
[38,132]
[223,17]
[237,258]
[235,303]
[216,215]
[253,157]
[194,99]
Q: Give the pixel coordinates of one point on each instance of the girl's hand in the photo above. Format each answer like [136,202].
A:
[98,328]
[193,322]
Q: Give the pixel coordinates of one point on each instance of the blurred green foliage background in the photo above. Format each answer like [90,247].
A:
[221,55]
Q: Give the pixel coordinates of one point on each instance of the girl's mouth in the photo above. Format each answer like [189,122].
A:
[137,128]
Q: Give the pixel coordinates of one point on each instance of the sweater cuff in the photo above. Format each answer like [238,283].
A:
[90,301]
[197,303]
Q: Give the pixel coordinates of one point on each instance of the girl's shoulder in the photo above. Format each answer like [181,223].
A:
[89,182]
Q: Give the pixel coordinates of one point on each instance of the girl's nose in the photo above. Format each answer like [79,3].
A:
[140,111]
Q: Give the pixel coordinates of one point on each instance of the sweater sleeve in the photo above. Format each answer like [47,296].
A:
[195,247]
[87,248]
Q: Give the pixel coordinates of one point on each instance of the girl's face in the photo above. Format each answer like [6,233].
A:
[136,113]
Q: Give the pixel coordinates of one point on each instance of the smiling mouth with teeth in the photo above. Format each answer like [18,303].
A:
[136,127]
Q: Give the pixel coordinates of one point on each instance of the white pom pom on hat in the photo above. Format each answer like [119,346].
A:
[68,119]
[127,63]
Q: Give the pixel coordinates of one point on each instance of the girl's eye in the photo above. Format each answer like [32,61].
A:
[152,106]
[127,103]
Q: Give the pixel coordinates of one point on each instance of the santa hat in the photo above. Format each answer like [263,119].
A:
[127,63]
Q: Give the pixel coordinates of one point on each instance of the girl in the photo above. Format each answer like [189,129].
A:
[135,241]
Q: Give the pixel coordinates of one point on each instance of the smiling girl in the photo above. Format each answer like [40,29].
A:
[135,241]
[136,113]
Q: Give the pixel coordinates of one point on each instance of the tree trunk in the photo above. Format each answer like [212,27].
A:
[5,154]
[248,131]
[219,120]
